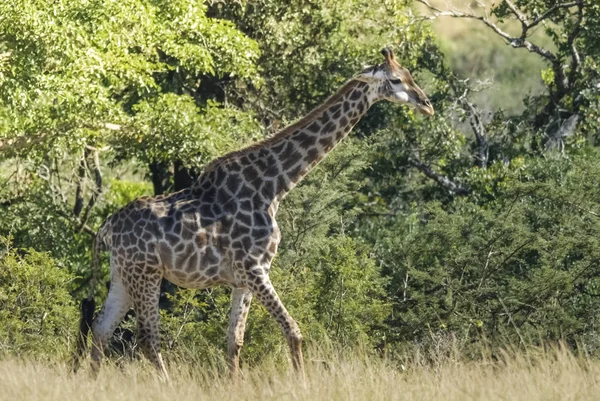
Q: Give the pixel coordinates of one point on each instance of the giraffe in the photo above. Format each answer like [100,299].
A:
[222,230]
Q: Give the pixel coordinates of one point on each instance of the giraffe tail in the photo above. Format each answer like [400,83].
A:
[88,305]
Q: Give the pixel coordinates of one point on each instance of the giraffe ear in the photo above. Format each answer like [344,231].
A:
[388,54]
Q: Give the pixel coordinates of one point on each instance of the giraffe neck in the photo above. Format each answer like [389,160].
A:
[276,165]
[308,141]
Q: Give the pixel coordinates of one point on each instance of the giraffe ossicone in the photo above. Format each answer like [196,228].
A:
[222,230]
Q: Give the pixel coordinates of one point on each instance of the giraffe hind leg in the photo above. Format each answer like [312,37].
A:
[145,304]
[116,306]
[266,294]
[241,299]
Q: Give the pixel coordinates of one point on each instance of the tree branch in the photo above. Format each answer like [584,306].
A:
[480,133]
[520,16]
[516,42]
[78,205]
[576,59]
[95,193]
[69,217]
[442,180]
[555,7]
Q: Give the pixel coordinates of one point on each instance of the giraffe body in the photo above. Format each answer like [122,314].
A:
[222,230]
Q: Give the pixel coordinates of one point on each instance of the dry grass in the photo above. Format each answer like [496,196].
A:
[555,375]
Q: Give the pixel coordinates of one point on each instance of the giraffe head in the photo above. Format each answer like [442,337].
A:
[395,83]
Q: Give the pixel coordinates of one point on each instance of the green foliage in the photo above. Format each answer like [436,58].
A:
[517,270]
[37,313]
[172,127]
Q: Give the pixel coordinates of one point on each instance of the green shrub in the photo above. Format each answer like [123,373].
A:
[37,314]
[522,269]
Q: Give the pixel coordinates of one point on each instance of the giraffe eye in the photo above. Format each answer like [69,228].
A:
[396,81]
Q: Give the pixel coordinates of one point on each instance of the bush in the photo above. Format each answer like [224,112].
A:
[522,269]
[37,314]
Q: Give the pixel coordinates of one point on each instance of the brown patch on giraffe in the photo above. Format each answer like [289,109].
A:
[225,224]
[141,245]
[258,200]
[335,108]
[260,219]
[268,189]
[238,230]
[224,241]
[230,207]
[261,164]
[201,239]
[314,127]
[234,166]
[244,160]
[281,184]
[326,141]
[245,192]
[361,107]
[206,209]
[138,229]
[246,243]
[233,183]
[244,219]
[205,184]
[210,256]
[222,198]
[327,128]
[324,118]
[288,151]
[221,175]
[312,155]
[272,170]
[250,173]
[304,140]
[343,122]
[248,265]
[356,94]
[208,196]
[260,232]
[291,160]
[187,234]
[294,174]
[179,247]
[346,106]
[239,254]
[164,251]
[278,147]
[192,263]
[354,119]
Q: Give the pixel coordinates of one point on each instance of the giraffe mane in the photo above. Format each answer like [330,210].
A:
[287,131]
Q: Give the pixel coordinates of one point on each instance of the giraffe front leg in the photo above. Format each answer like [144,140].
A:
[145,304]
[241,299]
[266,294]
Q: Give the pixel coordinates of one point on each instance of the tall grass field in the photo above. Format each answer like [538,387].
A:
[550,375]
